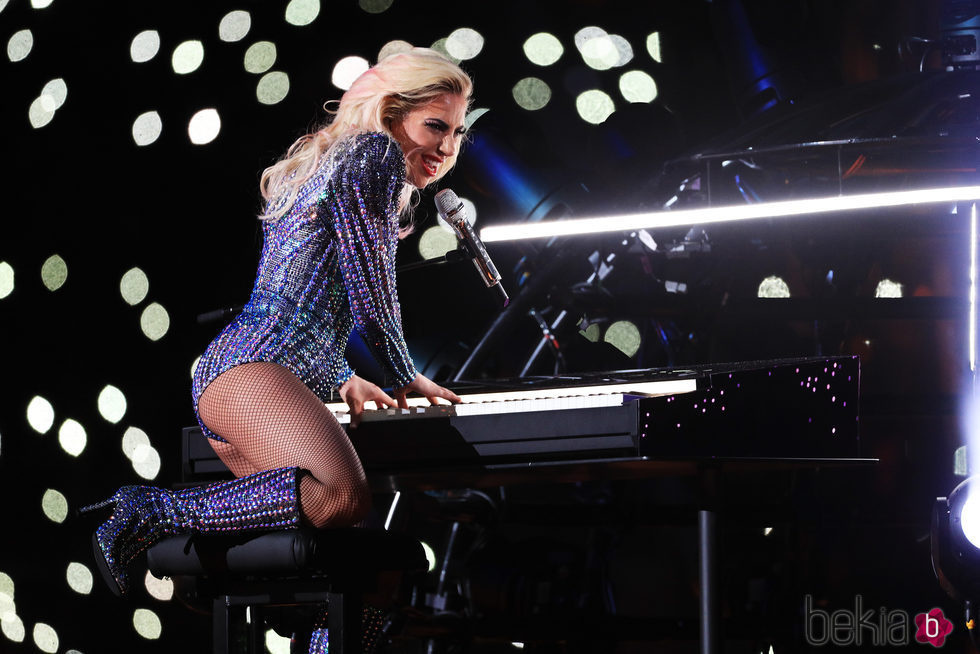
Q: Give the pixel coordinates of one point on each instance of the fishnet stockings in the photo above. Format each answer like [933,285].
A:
[272,420]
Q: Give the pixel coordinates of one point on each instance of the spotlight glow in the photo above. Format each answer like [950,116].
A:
[688,217]
[347,70]
[234,26]
[970,518]
[531,93]
[144,46]
[430,555]
[543,49]
[54,272]
[13,627]
[973,289]
[302,12]
[6,279]
[155,321]
[204,126]
[72,437]
[20,45]
[40,414]
[147,128]
[187,57]
[146,461]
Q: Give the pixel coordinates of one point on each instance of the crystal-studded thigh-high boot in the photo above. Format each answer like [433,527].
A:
[372,622]
[143,515]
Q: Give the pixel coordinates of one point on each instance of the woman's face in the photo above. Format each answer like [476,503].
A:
[429,136]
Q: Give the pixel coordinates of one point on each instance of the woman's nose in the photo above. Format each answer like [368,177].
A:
[448,146]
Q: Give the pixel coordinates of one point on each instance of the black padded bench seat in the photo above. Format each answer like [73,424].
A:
[284,568]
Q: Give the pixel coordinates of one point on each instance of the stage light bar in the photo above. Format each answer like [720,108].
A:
[689,217]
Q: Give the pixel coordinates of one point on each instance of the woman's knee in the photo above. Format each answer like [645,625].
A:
[336,504]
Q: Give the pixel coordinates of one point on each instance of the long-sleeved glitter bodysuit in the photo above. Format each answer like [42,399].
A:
[327,266]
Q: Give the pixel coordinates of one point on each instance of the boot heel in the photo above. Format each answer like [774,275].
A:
[95,507]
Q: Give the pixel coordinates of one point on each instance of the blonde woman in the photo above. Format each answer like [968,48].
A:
[331,225]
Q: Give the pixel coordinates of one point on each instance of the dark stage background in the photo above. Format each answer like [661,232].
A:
[91,401]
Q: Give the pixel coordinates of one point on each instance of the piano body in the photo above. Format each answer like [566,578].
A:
[768,413]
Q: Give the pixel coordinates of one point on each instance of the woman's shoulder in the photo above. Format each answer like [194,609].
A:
[369,153]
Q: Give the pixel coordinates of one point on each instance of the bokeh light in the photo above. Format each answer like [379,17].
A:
[40,414]
[594,106]
[637,86]
[204,126]
[440,47]
[276,644]
[38,114]
[531,93]
[134,286]
[773,287]
[889,288]
[154,321]
[20,45]
[146,461]
[543,49]
[624,336]
[132,439]
[54,505]
[144,46]
[375,6]
[653,47]
[436,242]
[602,51]
[260,57]
[234,26]
[54,94]
[72,437]
[464,43]
[161,589]
[54,272]
[112,404]
[302,12]
[13,627]
[147,624]
[187,57]
[6,279]
[79,578]
[41,4]
[430,555]
[272,88]
[347,70]
[147,128]
[393,47]
[194,366]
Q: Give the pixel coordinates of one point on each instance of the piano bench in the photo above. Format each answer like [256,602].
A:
[288,568]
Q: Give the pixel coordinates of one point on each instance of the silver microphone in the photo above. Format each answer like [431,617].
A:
[451,210]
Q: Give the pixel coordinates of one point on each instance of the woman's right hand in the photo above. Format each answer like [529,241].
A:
[356,391]
[427,389]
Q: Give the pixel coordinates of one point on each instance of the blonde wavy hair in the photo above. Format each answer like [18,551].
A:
[375,102]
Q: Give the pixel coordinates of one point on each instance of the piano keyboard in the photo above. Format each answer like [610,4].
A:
[541,399]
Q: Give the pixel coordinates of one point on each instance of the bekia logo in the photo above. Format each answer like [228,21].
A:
[864,626]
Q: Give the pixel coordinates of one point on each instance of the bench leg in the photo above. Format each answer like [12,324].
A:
[344,623]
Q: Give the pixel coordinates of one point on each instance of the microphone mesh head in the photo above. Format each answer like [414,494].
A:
[446,201]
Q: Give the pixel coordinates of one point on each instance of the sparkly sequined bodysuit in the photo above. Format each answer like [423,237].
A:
[327,266]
